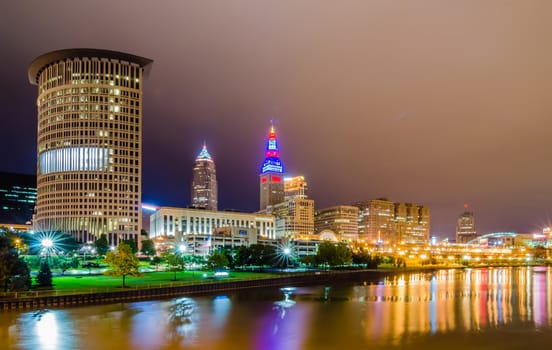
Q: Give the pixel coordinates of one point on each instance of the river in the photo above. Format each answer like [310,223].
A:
[494,308]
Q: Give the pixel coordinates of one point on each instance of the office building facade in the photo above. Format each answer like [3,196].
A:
[465,227]
[17,198]
[341,219]
[294,218]
[295,187]
[180,222]
[382,221]
[89,150]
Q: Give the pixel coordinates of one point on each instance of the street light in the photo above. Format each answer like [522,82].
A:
[47,243]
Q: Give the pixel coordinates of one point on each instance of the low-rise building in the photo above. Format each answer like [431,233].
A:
[182,222]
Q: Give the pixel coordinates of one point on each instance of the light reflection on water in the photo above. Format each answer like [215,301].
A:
[474,308]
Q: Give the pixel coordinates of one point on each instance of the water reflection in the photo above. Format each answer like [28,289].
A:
[183,319]
[46,329]
[452,300]
[504,308]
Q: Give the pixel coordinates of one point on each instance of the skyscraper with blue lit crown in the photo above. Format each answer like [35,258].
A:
[204,183]
[272,174]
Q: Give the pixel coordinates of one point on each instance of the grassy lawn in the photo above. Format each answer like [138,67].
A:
[150,279]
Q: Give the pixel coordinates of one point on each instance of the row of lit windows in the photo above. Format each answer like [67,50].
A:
[81,99]
[69,72]
[89,118]
[92,92]
[55,111]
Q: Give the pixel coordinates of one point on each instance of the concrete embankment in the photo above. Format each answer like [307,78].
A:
[33,300]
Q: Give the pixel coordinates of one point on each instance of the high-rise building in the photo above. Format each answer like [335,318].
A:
[465,227]
[272,174]
[416,229]
[204,182]
[294,218]
[17,198]
[341,219]
[295,187]
[382,221]
[89,154]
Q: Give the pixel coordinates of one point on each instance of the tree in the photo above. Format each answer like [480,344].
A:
[175,262]
[44,277]
[21,279]
[65,263]
[216,260]
[333,254]
[343,254]
[123,262]
[364,258]
[14,272]
[101,244]
[132,244]
[243,256]
[148,247]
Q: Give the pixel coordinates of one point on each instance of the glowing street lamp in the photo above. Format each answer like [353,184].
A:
[182,249]
[47,243]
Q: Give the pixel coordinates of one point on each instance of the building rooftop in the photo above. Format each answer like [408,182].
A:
[41,62]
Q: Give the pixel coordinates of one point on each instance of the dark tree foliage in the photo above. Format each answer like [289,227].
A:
[148,247]
[21,279]
[132,244]
[230,257]
[366,260]
[101,244]
[217,260]
[332,254]
[44,277]
[14,272]
[255,255]
[242,257]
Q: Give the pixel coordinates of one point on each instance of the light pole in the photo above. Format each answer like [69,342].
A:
[47,245]
[287,254]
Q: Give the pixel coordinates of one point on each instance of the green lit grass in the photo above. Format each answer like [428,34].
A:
[95,283]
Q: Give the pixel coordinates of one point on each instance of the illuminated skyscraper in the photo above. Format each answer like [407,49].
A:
[382,221]
[204,182]
[89,143]
[465,227]
[272,174]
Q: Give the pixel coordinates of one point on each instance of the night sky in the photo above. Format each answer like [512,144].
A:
[438,103]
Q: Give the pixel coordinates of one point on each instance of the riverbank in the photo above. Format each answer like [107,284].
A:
[35,300]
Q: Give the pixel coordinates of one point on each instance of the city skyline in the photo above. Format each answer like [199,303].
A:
[433,116]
